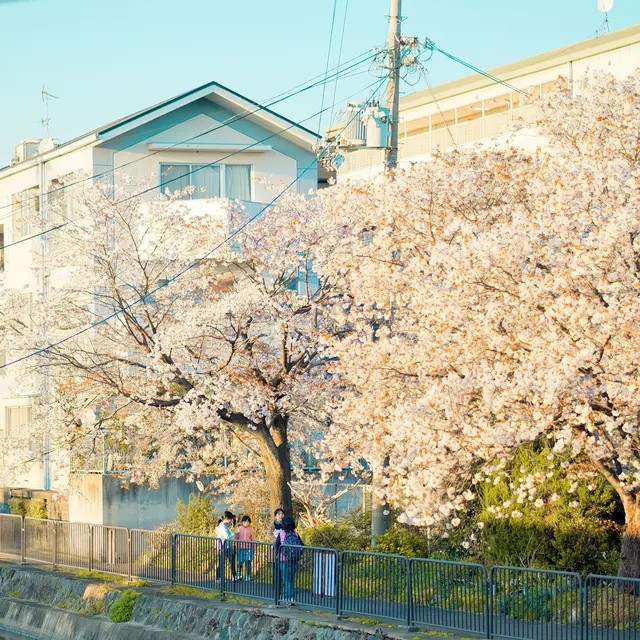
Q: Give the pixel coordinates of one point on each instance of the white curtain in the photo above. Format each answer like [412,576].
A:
[238,181]
[206,181]
[174,177]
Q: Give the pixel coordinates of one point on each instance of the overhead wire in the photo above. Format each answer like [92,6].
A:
[320,79]
[335,84]
[432,45]
[191,265]
[324,86]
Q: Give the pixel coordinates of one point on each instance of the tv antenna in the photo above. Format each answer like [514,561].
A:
[46,96]
[604,6]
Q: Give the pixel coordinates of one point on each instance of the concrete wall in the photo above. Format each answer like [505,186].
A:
[102,499]
[46,604]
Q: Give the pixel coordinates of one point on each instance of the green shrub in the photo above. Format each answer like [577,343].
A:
[122,609]
[516,543]
[198,516]
[31,508]
[332,535]
[17,506]
[352,531]
[587,545]
[403,541]
[36,508]
[573,524]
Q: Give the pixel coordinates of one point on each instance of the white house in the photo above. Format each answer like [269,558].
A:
[475,108]
[251,146]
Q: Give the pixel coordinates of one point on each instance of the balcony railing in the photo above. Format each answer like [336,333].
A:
[455,135]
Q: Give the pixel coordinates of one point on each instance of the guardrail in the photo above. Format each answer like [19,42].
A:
[504,602]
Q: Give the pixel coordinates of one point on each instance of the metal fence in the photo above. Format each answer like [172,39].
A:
[505,602]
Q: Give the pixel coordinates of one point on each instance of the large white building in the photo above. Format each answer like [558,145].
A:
[476,108]
[252,147]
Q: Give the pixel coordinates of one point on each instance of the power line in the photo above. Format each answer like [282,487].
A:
[326,69]
[190,266]
[430,44]
[335,85]
[291,93]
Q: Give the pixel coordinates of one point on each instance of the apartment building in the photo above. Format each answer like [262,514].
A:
[475,108]
[211,138]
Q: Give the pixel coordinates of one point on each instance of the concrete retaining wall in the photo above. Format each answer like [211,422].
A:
[51,606]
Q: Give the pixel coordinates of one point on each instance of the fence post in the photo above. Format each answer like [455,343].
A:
[23,541]
[409,593]
[340,555]
[489,600]
[582,604]
[336,586]
[55,543]
[90,547]
[173,558]
[223,550]
[129,555]
[276,578]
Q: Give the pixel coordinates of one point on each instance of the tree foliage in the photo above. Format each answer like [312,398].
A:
[493,300]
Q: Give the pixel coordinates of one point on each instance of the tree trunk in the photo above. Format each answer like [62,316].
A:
[630,554]
[379,506]
[275,455]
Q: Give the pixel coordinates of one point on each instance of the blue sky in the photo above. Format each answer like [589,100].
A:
[107,58]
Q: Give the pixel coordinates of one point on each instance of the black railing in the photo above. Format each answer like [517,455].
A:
[504,602]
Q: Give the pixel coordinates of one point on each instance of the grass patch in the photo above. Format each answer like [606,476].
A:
[98,575]
[238,599]
[94,608]
[92,575]
[122,609]
[371,622]
[178,590]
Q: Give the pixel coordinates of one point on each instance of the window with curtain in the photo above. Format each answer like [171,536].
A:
[205,180]
[174,177]
[208,181]
[17,420]
[237,178]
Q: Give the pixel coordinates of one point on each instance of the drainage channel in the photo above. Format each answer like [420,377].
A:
[6,633]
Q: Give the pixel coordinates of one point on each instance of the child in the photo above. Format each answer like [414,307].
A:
[245,551]
[225,535]
[278,515]
[289,556]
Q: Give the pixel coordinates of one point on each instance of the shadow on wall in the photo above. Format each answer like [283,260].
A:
[102,499]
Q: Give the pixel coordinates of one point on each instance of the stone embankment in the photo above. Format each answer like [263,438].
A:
[51,605]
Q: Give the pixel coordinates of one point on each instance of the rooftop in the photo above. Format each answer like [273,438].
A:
[540,62]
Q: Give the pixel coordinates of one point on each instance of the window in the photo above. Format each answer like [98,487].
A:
[24,206]
[16,421]
[303,281]
[199,181]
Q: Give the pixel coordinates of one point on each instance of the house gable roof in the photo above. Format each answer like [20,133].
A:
[214,91]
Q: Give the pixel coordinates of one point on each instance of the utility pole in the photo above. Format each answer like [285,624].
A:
[380,511]
[393,82]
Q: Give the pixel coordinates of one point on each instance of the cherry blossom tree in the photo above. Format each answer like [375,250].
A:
[219,372]
[492,298]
